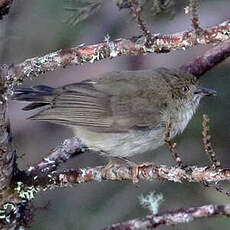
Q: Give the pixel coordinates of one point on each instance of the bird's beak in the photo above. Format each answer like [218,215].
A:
[205,92]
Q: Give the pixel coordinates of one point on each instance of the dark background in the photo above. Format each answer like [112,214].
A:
[35,28]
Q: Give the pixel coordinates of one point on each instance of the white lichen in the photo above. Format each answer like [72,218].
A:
[31,168]
[112,47]
[113,52]
[25,192]
[63,180]
[96,56]
[107,38]
[187,10]
[48,160]
[151,201]
[76,60]
[7,211]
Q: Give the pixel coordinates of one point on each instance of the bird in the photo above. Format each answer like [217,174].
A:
[120,113]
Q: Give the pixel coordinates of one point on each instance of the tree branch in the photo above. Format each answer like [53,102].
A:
[135,9]
[17,188]
[193,8]
[8,165]
[117,172]
[109,49]
[200,65]
[59,155]
[178,216]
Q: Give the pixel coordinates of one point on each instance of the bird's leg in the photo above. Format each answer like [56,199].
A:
[172,148]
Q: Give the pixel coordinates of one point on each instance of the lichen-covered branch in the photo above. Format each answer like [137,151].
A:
[149,172]
[7,153]
[17,188]
[16,193]
[69,148]
[173,217]
[29,185]
[109,49]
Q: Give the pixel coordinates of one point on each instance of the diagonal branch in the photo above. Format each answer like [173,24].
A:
[135,9]
[178,216]
[200,65]
[59,155]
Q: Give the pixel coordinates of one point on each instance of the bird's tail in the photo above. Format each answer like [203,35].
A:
[40,96]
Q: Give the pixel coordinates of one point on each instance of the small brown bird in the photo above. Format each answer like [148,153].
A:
[121,113]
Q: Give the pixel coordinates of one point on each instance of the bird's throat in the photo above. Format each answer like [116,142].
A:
[185,114]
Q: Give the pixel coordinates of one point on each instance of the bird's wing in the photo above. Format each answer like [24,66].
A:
[116,105]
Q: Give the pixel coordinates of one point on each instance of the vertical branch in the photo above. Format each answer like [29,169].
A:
[136,11]
[172,147]
[7,153]
[207,142]
[193,10]
[7,158]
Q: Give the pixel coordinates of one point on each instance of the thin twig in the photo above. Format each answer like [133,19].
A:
[209,150]
[136,11]
[207,142]
[172,147]
[59,155]
[215,186]
[193,9]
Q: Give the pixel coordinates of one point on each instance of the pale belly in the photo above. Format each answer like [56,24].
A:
[122,144]
[135,142]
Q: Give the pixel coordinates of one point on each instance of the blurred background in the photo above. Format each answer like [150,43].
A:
[35,28]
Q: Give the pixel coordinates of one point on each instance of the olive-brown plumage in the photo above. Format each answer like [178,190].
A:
[120,113]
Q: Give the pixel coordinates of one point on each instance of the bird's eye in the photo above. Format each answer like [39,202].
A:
[185,89]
